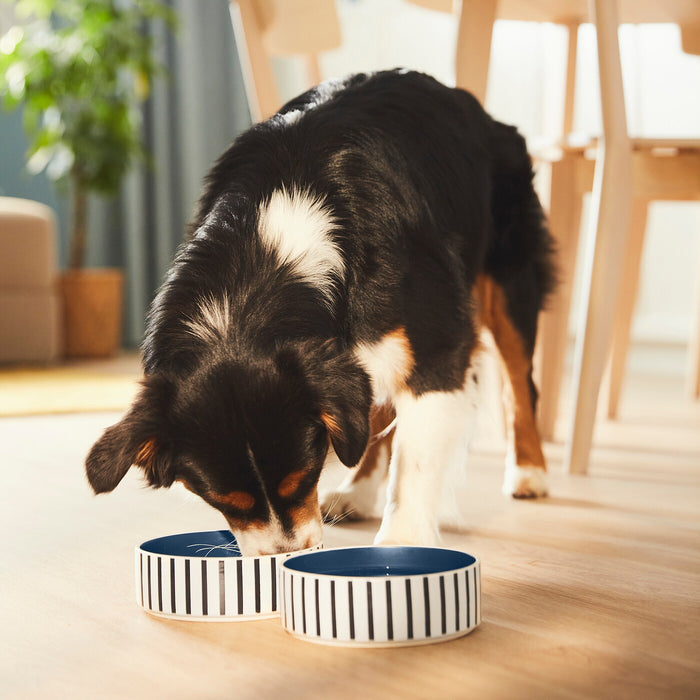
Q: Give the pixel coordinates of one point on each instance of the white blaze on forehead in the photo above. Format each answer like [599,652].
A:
[212,319]
[298,226]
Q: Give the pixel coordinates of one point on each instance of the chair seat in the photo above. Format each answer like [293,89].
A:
[587,145]
[662,169]
[683,12]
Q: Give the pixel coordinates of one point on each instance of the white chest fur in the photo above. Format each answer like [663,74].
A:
[389,363]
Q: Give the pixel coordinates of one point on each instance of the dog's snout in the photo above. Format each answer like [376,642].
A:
[290,547]
[270,539]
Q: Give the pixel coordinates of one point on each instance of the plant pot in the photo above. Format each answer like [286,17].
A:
[92,308]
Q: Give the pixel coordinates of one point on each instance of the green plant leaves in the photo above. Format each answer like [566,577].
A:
[79,67]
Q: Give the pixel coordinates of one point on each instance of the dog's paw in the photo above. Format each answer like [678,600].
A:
[525,482]
[351,503]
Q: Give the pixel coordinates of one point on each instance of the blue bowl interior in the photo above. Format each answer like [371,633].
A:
[380,561]
[215,543]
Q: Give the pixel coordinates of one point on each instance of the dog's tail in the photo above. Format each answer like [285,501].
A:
[521,244]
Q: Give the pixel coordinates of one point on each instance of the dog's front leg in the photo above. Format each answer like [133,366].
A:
[432,433]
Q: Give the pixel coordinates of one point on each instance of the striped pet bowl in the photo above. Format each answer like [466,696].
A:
[202,576]
[380,596]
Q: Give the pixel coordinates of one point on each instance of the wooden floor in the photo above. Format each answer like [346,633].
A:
[593,592]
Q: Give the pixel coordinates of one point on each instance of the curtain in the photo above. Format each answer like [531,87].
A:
[189,119]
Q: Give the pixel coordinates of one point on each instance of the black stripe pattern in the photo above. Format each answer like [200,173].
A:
[205,592]
[210,587]
[160,585]
[395,609]
[303,605]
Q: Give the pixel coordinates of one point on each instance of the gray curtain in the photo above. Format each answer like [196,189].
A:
[188,120]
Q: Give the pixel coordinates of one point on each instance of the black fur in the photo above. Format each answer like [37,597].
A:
[428,192]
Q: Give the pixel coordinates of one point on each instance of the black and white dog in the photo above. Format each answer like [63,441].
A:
[345,255]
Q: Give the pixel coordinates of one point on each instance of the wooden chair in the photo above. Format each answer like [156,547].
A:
[662,170]
[268,28]
[625,176]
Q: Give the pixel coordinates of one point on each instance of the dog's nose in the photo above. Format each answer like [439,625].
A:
[279,549]
[306,536]
[294,545]
[311,542]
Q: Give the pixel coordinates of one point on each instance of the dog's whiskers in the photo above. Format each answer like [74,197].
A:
[327,515]
[340,517]
[231,546]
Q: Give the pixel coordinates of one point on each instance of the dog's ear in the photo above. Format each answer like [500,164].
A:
[138,439]
[345,399]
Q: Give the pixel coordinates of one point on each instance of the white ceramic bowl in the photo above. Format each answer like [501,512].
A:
[202,576]
[380,596]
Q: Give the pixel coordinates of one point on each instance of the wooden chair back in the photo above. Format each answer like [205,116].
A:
[268,28]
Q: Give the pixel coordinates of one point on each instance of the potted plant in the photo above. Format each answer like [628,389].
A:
[78,68]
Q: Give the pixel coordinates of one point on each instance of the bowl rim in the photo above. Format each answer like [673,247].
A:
[285,555]
[475,563]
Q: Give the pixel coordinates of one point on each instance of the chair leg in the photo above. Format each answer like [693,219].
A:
[605,257]
[564,223]
[626,303]
[611,204]
[692,377]
[474,45]
[313,69]
[258,77]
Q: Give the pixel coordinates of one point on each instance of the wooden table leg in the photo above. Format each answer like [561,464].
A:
[607,237]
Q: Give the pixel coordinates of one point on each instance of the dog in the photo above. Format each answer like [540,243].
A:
[344,256]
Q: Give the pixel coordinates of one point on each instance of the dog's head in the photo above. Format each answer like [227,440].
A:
[248,436]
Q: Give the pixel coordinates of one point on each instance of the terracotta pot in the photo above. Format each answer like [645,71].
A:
[92,307]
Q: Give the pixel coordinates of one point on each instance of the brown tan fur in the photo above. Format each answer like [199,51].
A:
[389,362]
[238,499]
[331,424]
[380,419]
[381,416]
[146,453]
[308,511]
[289,485]
[403,371]
[522,428]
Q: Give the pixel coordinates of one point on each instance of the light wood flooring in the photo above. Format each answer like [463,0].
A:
[593,592]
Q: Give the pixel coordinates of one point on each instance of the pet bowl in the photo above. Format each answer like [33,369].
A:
[202,576]
[380,596]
